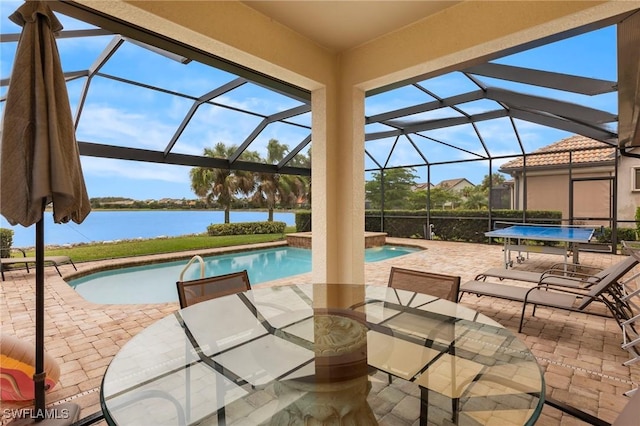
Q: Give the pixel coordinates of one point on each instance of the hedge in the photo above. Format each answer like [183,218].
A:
[452,225]
[246,228]
[449,225]
[460,225]
[303,221]
[6,240]
[626,234]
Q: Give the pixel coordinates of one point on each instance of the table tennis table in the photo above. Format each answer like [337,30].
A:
[516,234]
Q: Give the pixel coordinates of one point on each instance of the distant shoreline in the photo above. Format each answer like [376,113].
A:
[133,224]
[261,210]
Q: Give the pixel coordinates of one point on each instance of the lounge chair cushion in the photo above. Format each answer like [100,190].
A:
[534,277]
[518,293]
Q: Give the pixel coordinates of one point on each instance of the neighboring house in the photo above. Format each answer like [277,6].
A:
[577,183]
[422,186]
[455,184]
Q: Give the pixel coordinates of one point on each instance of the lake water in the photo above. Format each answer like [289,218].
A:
[126,225]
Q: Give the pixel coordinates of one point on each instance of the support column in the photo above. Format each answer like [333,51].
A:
[337,181]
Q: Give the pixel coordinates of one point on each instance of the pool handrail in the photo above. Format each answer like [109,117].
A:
[194,258]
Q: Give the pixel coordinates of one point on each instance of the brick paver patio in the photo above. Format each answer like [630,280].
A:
[580,354]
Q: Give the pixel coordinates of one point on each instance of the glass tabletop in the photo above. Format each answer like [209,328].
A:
[274,356]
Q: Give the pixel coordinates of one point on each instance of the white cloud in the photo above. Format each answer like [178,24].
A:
[104,167]
[108,125]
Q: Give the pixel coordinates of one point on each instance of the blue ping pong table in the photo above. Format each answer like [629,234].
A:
[513,235]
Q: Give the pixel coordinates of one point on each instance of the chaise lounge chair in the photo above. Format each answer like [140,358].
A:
[570,275]
[53,260]
[631,327]
[607,290]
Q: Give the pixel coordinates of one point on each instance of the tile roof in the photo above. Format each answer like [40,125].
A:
[450,183]
[556,154]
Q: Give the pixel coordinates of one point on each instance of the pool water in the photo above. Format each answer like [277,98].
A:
[156,283]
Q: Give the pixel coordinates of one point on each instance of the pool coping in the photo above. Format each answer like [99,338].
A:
[125,262]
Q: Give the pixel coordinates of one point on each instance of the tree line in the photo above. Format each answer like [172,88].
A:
[238,189]
[229,188]
[400,192]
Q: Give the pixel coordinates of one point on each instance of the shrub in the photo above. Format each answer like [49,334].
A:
[448,225]
[303,221]
[452,225]
[6,240]
[626,234]
[638,222]
[246,228]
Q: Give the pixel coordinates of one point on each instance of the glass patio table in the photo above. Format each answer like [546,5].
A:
[280,355]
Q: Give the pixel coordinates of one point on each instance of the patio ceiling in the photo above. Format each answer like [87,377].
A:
[495,93]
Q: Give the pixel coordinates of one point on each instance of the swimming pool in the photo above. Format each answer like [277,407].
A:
[156,283]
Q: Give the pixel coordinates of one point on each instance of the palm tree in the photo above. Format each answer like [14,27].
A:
[221,185]
[274,188]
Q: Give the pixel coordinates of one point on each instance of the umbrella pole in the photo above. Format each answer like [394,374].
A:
[39,375]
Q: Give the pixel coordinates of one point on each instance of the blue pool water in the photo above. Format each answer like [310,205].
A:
[156,283]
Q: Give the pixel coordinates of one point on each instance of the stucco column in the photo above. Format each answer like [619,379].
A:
[337,181]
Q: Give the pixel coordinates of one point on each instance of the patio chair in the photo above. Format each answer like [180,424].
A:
[53,260]
[195,291]
[438,285]
[607,290]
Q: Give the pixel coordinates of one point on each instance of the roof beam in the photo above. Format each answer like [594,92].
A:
[144,35]
[428,106]
[406,128]
[629,82]
[135,154]
[552,80]
[294,151]
[302,109]
[451,146]
[194,107]
[560,108]
[597,133]
[100,61]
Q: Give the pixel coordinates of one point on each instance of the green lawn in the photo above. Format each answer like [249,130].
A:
[99,251]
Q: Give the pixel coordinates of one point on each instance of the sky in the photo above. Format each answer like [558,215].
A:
[124,115]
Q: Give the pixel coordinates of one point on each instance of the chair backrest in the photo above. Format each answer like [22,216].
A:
[624,265]
[195,291]
[618,271]
[438,285]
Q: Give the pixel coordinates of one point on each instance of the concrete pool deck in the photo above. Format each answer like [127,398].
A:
[580,354]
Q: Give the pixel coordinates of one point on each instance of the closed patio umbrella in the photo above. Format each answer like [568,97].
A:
[39,159]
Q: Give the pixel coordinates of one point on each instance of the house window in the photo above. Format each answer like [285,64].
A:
[636,178]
